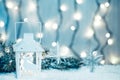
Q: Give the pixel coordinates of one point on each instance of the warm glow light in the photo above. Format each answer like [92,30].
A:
[102,6]
[89,33]
[63,7]
[31,6]
[114,59]
[102,62]
[55,26]
[16,8]
[110,41]
[97,23]
[25,19]
[54,44]
[98,17]
[64,51]
[19,40]
[77,16]
[107,4]
[3,37]
[79,1]
[50,25]
[107,35]
[72,28]
[9,4]
[2,24]
[83,54]
[39,35]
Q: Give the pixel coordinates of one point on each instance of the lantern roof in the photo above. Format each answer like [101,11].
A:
[28,44]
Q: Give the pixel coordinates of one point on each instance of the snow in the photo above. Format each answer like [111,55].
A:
[106,72]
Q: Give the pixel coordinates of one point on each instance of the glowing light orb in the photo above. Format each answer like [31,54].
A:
[107,4]
[19,40]
[79,1]
[102,6]
[102,62]
[55,26]
[77,16]
[107,35]
[64,51]
[89,33]
[9,4]
[25,19]
[63,7]
[114,59]
[110,41]
[54,44]
[2,24]
[83,54]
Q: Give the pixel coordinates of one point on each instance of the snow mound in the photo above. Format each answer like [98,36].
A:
[106,72]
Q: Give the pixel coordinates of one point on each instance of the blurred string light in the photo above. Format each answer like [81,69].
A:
[90,32]
[31,6]
[51,25]
[39,17]
[109,36]
[77,17]
[99,21]
[102,62]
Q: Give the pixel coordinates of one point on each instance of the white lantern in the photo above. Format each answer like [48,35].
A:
[28,56]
